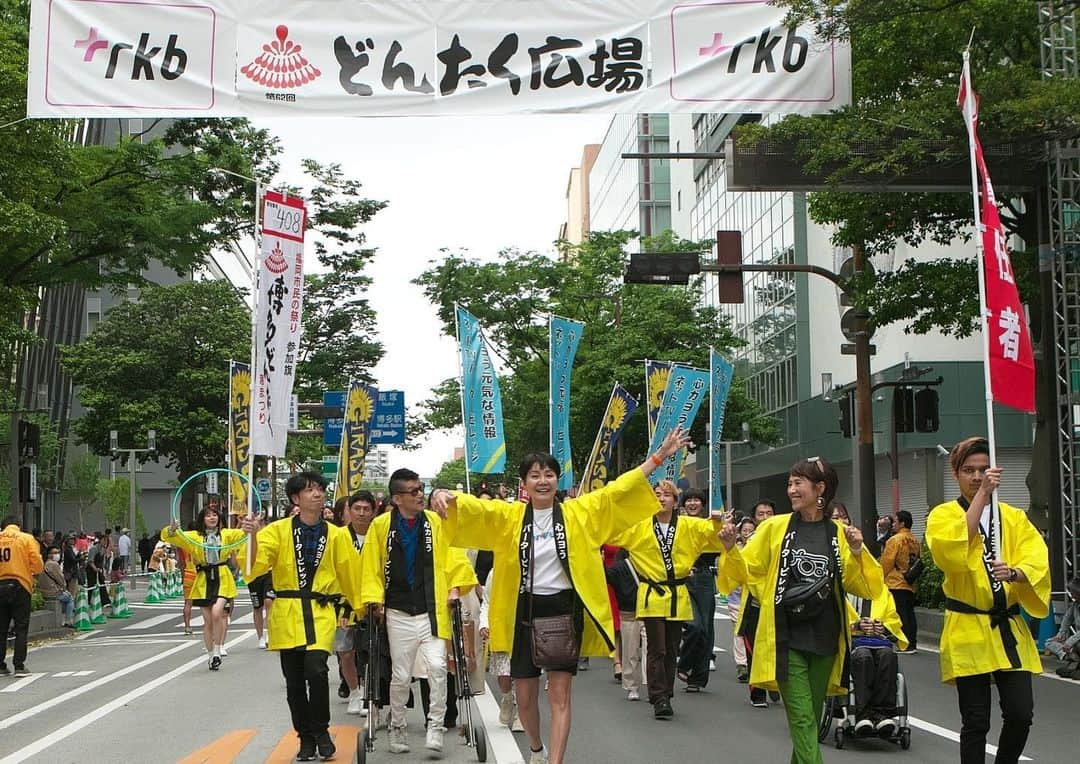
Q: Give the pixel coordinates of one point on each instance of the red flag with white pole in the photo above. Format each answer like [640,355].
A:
[1008,359]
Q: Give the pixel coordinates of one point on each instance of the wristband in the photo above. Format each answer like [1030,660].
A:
[656,460]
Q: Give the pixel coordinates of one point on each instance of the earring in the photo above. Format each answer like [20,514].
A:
[820,501]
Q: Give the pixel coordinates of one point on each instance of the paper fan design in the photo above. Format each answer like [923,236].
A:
[281,65]
[275,261]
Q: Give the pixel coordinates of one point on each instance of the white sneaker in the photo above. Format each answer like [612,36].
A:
[399,741]
[712,664]
[434,739]
[633,695]
[222,651]
[356,704]
[506,709]
[262,642]
[538,757]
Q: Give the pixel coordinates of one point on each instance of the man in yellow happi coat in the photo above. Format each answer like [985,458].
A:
[662,550]
[984,637]
[312,565]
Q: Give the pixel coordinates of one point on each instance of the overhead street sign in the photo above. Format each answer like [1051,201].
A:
[388,424]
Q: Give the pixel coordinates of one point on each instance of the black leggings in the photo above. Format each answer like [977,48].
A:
[1017,712]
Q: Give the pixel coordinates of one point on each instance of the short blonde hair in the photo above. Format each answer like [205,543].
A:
[668,486]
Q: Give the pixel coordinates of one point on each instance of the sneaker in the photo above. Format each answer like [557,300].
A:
[307,749]
[538,757]
[633,695]
[215,664]
[343,692]
[712,664]
[222,651]
[187,631]
[506,709]
[4,670]
[434,739]
[399,742]
[662,709]
[21,671]
[583,664]
[758,698]
[742,675]
[693,688]
[262,642]
[864,727]
[356,704]
[774,696]
[886,728]
[326,746]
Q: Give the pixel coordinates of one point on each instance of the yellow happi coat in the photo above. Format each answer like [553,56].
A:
[758,563]
[693,535]
[299,623]
[450,565]
[196,556]
[969,645]
[882,608]
[591,520]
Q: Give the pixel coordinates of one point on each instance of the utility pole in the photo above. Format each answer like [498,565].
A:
[728,444]
[864,415]
[132,454]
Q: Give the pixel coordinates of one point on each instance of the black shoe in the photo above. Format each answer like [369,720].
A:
[307,749]
[774,696]
[742,674]
[21,671]
[343,690]
[215,662]
[326,746]
[4,670]
[583,664]
[662,709]
[758,698]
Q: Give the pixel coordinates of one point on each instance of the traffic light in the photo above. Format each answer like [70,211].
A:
[927,418]
[729,284]
[845,413]
[903,404]
[662,267]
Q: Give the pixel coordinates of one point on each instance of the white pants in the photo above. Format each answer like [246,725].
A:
[409,636]
[630,632]
[738,647]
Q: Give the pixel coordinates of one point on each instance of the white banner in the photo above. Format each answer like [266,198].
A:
[98,58]
[278,311]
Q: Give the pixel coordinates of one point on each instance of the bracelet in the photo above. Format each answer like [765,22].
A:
[1012,574]
[656,460]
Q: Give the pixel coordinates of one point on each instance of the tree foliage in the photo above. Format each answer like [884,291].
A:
[80,485]
[512,298]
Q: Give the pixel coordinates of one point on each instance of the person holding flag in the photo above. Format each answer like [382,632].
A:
[549,576]
[984,638]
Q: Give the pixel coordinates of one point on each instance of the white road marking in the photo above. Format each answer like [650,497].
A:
[950,735]
[150,623]
[81,673]
[18,684]
[52,702]
[500,739]
[89,718]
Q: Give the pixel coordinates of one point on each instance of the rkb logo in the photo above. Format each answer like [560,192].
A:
[172,63]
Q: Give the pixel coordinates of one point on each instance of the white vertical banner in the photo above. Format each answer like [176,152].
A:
[278,314]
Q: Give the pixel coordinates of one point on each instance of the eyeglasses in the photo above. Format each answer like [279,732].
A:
[415,492]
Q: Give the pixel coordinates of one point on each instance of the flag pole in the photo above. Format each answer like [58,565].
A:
[461,395]
[551,390]
[970,114]
[256,262]
[712,428]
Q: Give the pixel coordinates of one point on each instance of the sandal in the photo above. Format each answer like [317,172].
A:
[618,671]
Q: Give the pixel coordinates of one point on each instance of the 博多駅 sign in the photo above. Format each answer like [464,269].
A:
[428,57]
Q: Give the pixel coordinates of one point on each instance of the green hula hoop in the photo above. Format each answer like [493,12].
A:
[174,509]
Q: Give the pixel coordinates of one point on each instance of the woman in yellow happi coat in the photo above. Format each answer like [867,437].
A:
[984,637]
[547,559]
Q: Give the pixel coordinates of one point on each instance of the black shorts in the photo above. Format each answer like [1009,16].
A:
[544,605]
[261,589]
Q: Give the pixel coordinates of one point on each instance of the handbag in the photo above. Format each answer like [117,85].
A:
[806,600]
[914,570]
[554,640]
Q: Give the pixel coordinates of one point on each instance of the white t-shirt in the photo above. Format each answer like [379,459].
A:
[123,545]
[546,572]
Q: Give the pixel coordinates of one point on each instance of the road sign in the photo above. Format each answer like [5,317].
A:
[388,424]
[332,427]
[328,467]
[262,486]
[211,482]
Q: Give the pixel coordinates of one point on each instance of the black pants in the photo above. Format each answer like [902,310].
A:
[873,676]
[700,634]
[663,648]
[307,689]
[1017,711]
[451,718]
[14,606]
[905,608]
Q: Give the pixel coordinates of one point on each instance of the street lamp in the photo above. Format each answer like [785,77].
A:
[132,453]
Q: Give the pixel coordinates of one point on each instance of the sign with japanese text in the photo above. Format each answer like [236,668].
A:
[597,470]
[239,434]
[686,391]
[359,411]
[721,372]
[564,337]
[388,425]
[481,401]
[278,313]
[299,58]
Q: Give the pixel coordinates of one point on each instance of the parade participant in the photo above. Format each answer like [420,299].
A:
[984,638]
[803,563]
[662,550]
[699,635]
[410,574]
[312,564]
[20,561]
[187,567]
[622,579]
[900,553]
[876,635]
[212,586]
[358,512]
[559,542]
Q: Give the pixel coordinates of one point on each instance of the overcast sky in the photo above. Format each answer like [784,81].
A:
[479,184]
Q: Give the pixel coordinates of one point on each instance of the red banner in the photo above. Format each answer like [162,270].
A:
[1012,362]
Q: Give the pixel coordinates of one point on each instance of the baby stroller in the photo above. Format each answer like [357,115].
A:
[474,732]
[840,709]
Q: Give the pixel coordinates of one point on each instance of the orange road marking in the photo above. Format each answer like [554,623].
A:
[344,738]
[224,750]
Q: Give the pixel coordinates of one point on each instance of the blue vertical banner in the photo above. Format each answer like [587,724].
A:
[686,391]
[656,379]
[563,344]
[481,402]
[598,468]
[721,372]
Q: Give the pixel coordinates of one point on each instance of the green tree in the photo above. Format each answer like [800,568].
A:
[512,297]
[80,485]
[115,498]
[162,363]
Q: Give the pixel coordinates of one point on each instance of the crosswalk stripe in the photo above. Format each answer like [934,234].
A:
[19,684]
[150,623]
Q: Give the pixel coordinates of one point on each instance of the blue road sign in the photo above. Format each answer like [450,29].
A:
[388,425]
[332,427]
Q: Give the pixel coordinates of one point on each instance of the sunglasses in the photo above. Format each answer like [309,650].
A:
[417,492]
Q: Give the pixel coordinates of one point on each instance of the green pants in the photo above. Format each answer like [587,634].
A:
[804,695]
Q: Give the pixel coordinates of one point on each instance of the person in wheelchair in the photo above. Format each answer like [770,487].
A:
[876,635]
